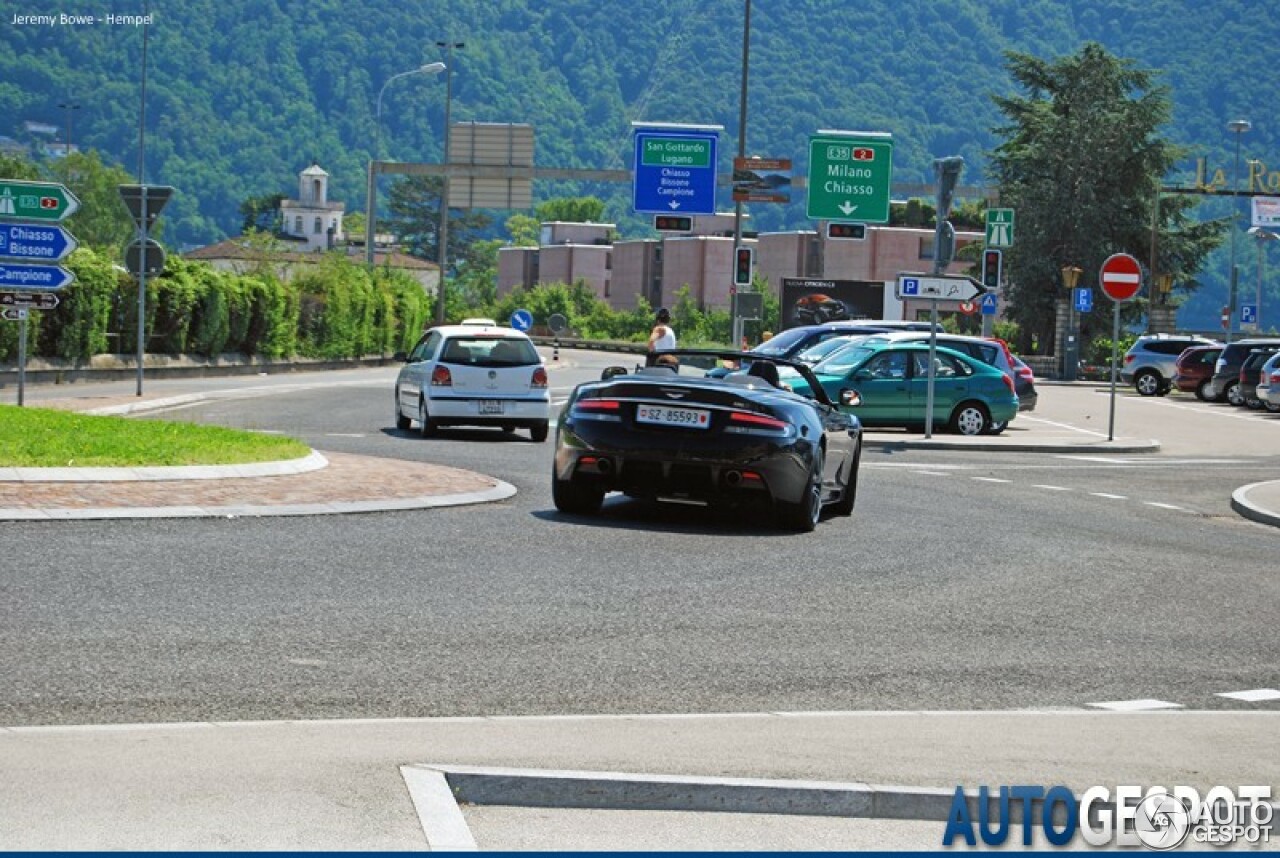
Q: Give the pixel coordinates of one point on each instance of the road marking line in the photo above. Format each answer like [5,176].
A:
[931,473]
[1052,488]
[1165,506]
[344,435]
[1146,705]
[1062,426]
[990,480]
[1254,695]
[438,813]
[1108,496]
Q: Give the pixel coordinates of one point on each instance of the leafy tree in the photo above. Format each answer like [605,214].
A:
[523,230]
[1082,165]
[415,218]
[261,213]
[102,221]
[13,167]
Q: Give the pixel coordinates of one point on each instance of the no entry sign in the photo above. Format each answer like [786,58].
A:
[1121,277]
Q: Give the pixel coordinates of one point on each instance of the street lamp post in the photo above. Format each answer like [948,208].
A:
[736,322]
[1239,126]
[68,107]
[442,255]
[1071,348]
[369,219]
[1263,236]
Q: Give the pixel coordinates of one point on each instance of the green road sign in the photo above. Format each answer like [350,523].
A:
[45,201]
[849,176]
[676,152]
[999,227]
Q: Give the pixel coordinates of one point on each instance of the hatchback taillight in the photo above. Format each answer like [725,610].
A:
[1129,358]
[1008,382]
[441,377]
[539,377]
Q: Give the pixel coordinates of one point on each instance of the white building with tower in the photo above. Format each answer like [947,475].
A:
[311,217]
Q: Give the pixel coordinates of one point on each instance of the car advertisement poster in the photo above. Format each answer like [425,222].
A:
[813,301]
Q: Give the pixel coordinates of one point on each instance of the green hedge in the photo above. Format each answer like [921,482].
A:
[340,310]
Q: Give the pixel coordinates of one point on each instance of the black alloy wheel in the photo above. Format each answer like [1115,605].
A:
[802,516]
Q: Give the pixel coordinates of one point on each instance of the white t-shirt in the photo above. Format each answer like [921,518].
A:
[666,340]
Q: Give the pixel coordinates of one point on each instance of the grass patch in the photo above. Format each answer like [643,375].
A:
[40,437]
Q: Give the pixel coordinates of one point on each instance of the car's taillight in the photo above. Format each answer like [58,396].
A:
[539,377]
[441,377]
[748,419]
[1008,382]
[608,405]
[1275,379]
[1129,358]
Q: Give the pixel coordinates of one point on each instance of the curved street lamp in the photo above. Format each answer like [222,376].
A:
[369,219]
[1239,126]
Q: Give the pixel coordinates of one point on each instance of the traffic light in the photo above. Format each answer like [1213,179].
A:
[992,265]
[846,230]
[673,223]
[743,263]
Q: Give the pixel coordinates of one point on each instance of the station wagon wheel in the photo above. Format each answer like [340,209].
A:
[402,423]
[1233,394]
[1272,408]
[427,426]
[803,515]
[970,418]
[1202,392]
[538,432]
[1147,383]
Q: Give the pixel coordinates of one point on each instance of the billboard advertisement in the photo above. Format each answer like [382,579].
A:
[1266,213]
[813,301]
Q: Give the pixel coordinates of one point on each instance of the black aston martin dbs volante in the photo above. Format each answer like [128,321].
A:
[670,433]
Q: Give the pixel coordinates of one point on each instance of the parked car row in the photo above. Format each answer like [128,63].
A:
[1236,372]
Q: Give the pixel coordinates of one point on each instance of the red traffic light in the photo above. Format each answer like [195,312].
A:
[992,263]
[846,230]
[673,223]
[744,261]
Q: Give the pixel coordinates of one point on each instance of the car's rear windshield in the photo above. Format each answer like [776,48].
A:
[783,342]
[489,351]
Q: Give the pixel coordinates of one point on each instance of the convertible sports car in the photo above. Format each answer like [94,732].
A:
[672,434]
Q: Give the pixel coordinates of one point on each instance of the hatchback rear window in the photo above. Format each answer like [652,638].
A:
[489,351]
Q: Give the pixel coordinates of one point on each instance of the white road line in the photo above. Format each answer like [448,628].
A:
[931,473]
[1108,496]
[1062,426]
[1147,705]
[1159,505]
[990,480]
[344,435]
[1051,488]
[1253,695]
[917,465]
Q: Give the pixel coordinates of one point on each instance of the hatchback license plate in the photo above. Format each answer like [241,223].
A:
[663,415]
[490,406]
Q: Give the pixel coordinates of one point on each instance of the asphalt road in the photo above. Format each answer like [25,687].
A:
[964,580]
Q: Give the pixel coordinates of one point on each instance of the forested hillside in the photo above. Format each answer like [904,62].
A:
[241,94]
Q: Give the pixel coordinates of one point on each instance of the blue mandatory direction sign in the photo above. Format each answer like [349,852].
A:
[35,241]
[1084,299]
[34,278]
[522,320]
[675,170]
[990,303]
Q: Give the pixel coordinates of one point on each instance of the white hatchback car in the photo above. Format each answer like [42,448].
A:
[476,374]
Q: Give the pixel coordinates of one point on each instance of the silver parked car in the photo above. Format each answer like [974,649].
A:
[1151,362]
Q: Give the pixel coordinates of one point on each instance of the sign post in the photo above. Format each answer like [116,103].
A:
[1121,280]
[144,203]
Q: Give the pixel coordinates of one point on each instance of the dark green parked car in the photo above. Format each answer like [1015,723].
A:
[891,382]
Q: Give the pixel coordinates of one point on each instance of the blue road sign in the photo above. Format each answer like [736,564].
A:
[990,303]
[34,278]
[1248,314]
[35,241]
[675,171]
[910,286]
[1084,299]
[522,320]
